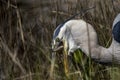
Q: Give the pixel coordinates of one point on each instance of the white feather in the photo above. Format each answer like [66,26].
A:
[79,34]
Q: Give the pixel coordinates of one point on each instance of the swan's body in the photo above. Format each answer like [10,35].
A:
[79,34]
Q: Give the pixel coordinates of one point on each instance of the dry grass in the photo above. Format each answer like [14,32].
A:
[26,33]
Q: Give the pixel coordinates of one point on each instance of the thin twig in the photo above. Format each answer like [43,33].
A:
[14,58]
[52,66]
[73,73]
[20,25]
[27,75]
[61,13]
[11,5]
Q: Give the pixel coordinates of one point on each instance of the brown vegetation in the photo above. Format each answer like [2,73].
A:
[26,28]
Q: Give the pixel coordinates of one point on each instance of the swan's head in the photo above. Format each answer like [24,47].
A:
[57,42]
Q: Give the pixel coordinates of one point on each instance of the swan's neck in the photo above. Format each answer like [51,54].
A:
[105,55]
[101,54]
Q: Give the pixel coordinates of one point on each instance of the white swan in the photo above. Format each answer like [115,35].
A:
[77,34]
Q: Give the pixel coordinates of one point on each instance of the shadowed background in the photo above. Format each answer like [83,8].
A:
[26,28]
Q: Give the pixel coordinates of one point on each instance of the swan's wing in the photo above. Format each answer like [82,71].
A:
[83,32]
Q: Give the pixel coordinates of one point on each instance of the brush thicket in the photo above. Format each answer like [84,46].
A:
[26,34]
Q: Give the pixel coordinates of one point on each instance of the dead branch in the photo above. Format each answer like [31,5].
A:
[12,56]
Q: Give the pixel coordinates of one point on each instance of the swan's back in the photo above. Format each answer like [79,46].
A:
[82,34]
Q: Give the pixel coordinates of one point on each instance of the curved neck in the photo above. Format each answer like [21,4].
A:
[105,55]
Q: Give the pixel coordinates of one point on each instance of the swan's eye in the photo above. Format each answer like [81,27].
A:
[57,40]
